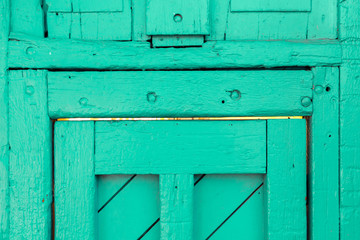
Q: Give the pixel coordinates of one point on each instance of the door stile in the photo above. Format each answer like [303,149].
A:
[176,199]
[285,181]
[75,181]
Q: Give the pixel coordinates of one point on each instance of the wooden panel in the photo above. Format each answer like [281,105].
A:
[173,17]
[199,93]
[75,185]
[229,207]
[178,41]
[350,149]
[349,21]
[285,181]
[128,205]
[90,26]
[27,17]
[74,54]
[160,147]
[324,156]
[30,138]
[85,5]
[266,26]
[138,9]
[268,5]
[176,199]
[4,139]
[323,21]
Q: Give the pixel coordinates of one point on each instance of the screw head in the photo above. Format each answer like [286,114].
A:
[151,97]
[29,90]
[83,101]
[319,89]
[30,51]
[306,101]
[235,95]
[177,17]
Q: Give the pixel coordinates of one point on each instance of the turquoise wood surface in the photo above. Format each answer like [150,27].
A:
[73,54]
[151,147]
[75,183]
[332,187]
[285,180]
[4,136]
[173,17]
[30,139]
[324,156]
[197,93]
[176,206]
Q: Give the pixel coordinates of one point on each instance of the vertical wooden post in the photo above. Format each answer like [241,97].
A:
[324,156]
[176,199]
[30,138]
[75,185]
[4,141]
[350,120]
[285,181]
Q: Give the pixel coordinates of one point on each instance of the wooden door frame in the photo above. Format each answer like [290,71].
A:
[25,52]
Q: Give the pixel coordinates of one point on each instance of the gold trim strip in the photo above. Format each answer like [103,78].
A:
[182,119]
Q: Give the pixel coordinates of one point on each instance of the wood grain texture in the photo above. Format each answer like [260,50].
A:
[177,41]
[270,6]
[30,138]
[323,21]
[75,183]
[74,54]
[27,17]
[162,147]
[176,211]
[324,156]
[349,120]
[161,17]
[85,5]
[90,26]
[4,141]
[198,93]
[349,150]
[285,181]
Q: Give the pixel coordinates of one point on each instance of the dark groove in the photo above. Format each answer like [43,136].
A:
[235,211]
[122,187]
[149,228]
[157,220]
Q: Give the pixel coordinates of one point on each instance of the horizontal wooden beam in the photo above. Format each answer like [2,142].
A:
[195,147]
[30,52]
[190,94]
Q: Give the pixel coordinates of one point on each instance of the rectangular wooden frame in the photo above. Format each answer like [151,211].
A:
[324,183]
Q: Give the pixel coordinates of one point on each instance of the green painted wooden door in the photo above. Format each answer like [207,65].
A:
[180,179]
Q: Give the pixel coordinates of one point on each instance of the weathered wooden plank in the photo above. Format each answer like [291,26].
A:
[186,17]
[176,211]
[323,21]
[139,20]
[349,151]
[270,6]
[74,54]
[30,138]
[324,156]
[159,147]
[90,26]
[85,5]
[75,183]
[4,140]
[349,21]
[27,17]
[266,25]
[198,93]
[285,181]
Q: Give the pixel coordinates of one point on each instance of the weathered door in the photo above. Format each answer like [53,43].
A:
[180,179]
[175,178]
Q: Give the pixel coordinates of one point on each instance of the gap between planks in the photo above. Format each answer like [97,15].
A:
[182,119]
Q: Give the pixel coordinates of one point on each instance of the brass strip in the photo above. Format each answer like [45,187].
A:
[182,118]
